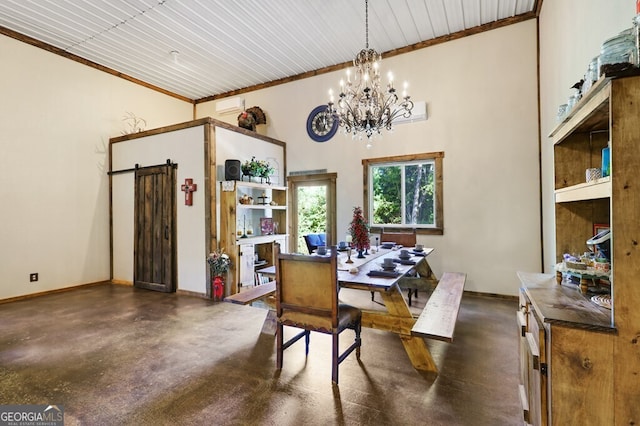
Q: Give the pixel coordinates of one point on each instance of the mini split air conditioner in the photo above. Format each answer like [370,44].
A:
[229,106]
[418,113]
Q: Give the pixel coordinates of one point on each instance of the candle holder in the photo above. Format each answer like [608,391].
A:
[349,256]
[244,227]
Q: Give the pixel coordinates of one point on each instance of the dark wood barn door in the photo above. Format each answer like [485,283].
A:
[154,245]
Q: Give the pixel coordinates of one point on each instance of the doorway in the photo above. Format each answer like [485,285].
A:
[154,248]
[312,207]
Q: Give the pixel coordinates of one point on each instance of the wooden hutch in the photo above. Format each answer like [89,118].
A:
[580,362]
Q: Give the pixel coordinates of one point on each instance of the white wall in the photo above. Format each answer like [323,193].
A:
[231,145]
[571,33]
[56,117]
[185,148]
[482,104]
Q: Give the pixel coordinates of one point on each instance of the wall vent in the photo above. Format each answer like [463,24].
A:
[418,113]
[231,105]
[308,172]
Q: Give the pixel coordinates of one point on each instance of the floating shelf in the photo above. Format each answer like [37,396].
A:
[600,188]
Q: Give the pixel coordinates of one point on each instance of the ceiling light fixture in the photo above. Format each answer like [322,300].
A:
[174,56]
[363,106]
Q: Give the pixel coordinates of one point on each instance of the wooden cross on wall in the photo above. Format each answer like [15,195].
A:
[189,188]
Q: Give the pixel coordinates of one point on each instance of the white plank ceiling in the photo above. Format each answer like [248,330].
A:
[227,45]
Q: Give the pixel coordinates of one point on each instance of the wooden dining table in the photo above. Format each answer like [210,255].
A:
[396,317]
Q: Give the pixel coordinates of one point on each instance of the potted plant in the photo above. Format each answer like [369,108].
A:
[219,263]
[258,168]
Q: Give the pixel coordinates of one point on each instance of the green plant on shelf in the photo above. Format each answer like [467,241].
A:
[257,168]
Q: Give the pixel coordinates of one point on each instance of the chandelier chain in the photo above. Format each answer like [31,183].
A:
[366,23]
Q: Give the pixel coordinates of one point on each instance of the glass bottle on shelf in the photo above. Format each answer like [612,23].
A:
[606,161]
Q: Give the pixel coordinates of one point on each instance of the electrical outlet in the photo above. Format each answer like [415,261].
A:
[33,277]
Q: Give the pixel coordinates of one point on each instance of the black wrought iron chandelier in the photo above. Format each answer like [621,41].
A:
[364,107]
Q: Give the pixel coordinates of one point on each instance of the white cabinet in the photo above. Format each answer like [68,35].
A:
[246,259]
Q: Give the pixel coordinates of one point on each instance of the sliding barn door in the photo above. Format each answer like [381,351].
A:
[154,230]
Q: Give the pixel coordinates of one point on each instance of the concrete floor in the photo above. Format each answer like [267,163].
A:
[115,355]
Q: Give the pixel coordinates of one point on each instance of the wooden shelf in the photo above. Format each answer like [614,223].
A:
[235,217]
[591,113]
[600,188]
[258,185]
[261,207]
[570,327]
[261,239]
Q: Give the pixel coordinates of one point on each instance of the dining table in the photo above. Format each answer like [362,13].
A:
[368,275]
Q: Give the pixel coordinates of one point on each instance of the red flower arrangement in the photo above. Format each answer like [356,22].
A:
[359,229]
[219,263]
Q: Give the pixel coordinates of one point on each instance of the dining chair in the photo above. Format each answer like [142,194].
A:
[307,298]
[315,240]
[407,239]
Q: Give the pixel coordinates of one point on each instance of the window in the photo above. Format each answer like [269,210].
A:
[405,192]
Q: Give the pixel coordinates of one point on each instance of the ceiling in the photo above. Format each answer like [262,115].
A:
[225,47]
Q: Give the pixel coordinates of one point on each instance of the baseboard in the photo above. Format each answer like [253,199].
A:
[178,291]
[58,290]
[192,293]
[491,295]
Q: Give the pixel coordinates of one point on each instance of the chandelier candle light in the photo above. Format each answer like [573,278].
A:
[363,106]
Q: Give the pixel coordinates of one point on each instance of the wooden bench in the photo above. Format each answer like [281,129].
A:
[422,278]
[439,316]
[255,293]
[259,292]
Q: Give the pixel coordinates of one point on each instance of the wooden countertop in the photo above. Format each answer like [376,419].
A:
[564,304]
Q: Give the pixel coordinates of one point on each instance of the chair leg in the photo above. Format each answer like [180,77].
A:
[279,349]
[372,294]
[409,295]
[334,358]
[306,342]
[358,340]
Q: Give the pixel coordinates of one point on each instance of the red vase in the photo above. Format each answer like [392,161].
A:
[217,288]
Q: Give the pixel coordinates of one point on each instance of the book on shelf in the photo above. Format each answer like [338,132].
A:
[261,278]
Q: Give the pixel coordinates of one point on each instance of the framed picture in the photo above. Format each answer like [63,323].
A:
[266,225]
[599,227]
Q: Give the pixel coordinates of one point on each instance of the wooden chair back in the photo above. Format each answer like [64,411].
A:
[307,287]
[407,239]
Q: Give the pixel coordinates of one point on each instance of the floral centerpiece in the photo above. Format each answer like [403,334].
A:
[219,263]
[257,168]
[359,229]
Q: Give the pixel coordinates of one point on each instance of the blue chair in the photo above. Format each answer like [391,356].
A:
[315,240]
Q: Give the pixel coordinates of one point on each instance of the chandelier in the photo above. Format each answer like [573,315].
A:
[364,107]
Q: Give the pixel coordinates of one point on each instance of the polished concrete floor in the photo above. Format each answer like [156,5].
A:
[115,355]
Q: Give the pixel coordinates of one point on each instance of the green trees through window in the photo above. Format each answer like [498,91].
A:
[405,191]
[312,212]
